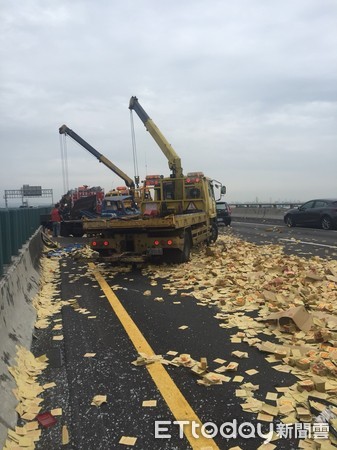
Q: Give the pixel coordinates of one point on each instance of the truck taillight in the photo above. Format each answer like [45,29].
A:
[152,180]
[94,244]
[169,242]
[156,242]
[106,243]
[192,180]
[194,177]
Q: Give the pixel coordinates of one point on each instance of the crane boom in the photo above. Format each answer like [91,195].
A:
[101,158]
[174,160]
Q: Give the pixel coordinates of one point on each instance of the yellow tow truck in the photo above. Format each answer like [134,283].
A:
[176,213]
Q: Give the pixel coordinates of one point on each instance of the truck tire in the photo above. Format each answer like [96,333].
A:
[214,232]
[176,256]
[186,253]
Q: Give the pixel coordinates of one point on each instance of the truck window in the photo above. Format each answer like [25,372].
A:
[192,192]
[168,191]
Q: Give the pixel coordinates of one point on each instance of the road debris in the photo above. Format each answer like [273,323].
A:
[28,367]
[143,359]
[25,373]
[265,293]
[128,440]
[65,435]
[46,419]
[149,403]
[98,400]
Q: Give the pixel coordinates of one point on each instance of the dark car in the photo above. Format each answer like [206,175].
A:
[319,213]
[223,213]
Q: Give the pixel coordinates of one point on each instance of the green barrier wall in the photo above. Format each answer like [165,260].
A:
[17,225]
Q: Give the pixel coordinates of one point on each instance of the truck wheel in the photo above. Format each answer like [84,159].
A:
[214,232]
[175,256]
[186,253]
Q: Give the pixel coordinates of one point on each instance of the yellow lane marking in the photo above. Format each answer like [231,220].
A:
[175,400]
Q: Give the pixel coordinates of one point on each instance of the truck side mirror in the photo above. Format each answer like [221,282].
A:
[223,190]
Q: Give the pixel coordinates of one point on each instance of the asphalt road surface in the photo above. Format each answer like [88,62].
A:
[110,316]
[302,241]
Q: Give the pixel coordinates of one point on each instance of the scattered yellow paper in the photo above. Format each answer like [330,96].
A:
[265,417]
[219,361]
[127,440]
[58,338]
[149,403]
[251,372]
[49,385]
[98,400]
[238,379]
[65,435]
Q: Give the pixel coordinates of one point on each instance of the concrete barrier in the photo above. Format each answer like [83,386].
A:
[258,213]
[18,287]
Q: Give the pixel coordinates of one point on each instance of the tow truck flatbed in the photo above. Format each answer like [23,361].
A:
[173,221]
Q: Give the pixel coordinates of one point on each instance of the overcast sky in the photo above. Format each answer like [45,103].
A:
[244,90]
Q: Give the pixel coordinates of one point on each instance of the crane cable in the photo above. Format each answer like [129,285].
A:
[64,162]
[134,150]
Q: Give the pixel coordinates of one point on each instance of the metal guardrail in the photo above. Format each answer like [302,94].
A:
[17,225]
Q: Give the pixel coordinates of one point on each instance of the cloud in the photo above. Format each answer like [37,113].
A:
[244,91]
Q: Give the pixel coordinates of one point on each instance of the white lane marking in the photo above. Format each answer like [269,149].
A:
[297,241]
